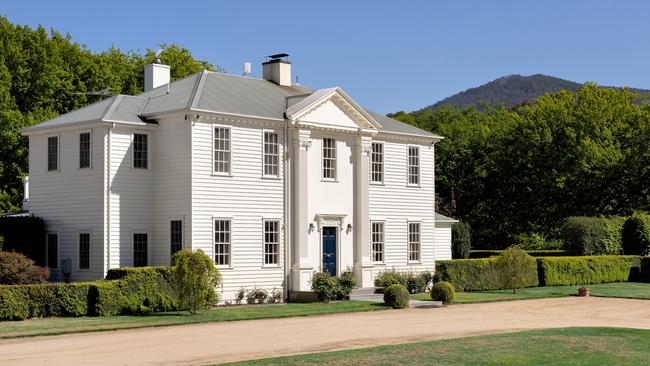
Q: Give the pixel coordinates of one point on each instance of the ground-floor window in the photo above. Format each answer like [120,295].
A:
[140,250]
[414,241]
[175,236]
[52,250]
[377,240]
[271,241]
[222,242]
[84,250]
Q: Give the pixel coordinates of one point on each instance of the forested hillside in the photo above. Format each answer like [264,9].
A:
[43,74]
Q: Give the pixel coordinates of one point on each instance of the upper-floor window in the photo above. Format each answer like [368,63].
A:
[414,165]
[222,150]
[175,236]
[414,242]
[271,241]
[377,241]
[140,250]
[271,154]
[84,250]
[329,158]
[140,151]
[52,153]
[84,150]
[222,242]
[377,163]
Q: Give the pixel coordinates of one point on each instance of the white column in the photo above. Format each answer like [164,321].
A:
[362,260]
[301,268]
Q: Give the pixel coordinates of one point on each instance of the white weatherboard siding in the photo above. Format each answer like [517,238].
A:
[245,197]
[396,203]
[442,240]
[70,199]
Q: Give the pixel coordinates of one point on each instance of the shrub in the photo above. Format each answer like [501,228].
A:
[460,240]
[256,296]
[276,296]
[487,253]
[31,301]
[443,291]
[396,296]
[592,235]
[636,235]
[240,296]
[564,271]
[645,269]
[478,274]
[196,279]
[390,277]
[120,273]
[347,282]
[535,241]
[418,282]
[325,286]
[513,264]
[16,269]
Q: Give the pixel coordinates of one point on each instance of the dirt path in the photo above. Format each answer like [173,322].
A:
[221,342]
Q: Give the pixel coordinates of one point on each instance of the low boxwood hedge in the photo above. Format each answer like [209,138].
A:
[19,302]
[565,271]
[477,274]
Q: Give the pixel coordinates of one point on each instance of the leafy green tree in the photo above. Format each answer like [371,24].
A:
[512,265]
[460,240]
[196,280]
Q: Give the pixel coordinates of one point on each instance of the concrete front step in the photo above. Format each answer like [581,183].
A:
[364,291]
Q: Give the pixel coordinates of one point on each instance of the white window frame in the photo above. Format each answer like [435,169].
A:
[333,159]
[58,153]
[381,242]
[408,165]
[148,256]
[182,243]
[47,249]
[90,149]
[229,243]
[148,160]
[382,163]
[418,242]
[264,154]
[90,250]
[230,150]
[278,243]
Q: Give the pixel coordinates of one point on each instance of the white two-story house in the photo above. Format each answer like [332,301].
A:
[274,181]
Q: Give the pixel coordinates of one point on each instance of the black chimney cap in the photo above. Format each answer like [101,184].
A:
[279,55]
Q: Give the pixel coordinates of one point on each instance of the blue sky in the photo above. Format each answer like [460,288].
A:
[388,55]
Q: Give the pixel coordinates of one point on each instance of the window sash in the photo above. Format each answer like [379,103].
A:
[271,154]
[140,151]
[377,163]
[140,250]
[53,251]
[175,236]
[84,150]
[414,165]
[377,241]
[329,158]
[222,234]
[53,153]
[222,150]
[271,242]
[84,251]
[414,241]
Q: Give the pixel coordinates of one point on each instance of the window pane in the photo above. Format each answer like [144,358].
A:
[271,242]
[53,153]
[329,158]
[414,241]
[84,251]
[271,154]
[414,165]
[140,250]
[176,236]
[222,150]
[377,162]
[84,150]
[140,151]
[222,242]
[377,240]
[53,251]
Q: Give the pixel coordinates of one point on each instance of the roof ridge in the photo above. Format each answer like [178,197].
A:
[197,90]
[110,108]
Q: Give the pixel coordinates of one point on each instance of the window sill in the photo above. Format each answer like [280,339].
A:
[227,268]
[271,266]
[413,186]
[325,180]
[380,184]
[414,262]
[271,177]
[225,175]
[382,264]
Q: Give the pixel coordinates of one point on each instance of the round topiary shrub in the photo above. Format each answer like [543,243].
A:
[396,296]
[443,291]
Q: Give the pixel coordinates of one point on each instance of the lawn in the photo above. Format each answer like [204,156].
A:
[55,326]
[563,346]
[632,290]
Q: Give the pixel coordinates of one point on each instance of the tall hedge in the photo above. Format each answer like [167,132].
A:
[592,235]
[564,271]
[478,274]
[636,235]
[35,301]
[460,240]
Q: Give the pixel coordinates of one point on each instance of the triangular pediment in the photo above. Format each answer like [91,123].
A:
[331,108]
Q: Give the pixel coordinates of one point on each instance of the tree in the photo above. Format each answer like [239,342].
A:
[460,240]
[512,265]
[196,280]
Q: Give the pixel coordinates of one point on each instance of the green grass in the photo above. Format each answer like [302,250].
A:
[630,290]
[55,326]
[564,346]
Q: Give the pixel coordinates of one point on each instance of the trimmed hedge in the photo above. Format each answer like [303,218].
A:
[584,235]
[19,302]
[396,296]
[636,235]
[477,254]
[565,271]
[443,291]
[477,274]
[645,269]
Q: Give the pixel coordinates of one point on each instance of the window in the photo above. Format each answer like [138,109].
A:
[377,163]
[271,241]
[222,150]
[84,250]
[414,165]
[84,150]
[377,240]
[52,153]
[140,250]
[414,241]
[175,236]
[329,159]
[52,251]
[222,242]
[271,154]
[140,151]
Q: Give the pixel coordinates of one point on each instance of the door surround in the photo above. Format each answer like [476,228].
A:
[330,220]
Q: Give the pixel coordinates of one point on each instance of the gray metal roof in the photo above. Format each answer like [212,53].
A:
[443,218]
[211,92]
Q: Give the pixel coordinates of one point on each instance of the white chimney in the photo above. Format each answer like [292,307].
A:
[155,75]
[278,69]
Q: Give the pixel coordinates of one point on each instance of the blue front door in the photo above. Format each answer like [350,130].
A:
[329,250]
